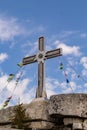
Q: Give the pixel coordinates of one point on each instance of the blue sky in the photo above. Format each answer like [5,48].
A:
[63,24]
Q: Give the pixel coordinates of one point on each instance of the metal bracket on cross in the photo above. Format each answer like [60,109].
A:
[40,57]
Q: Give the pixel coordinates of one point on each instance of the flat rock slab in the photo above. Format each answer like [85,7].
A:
[68,105]
[36,111]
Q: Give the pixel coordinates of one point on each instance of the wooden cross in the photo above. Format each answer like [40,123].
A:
[40,57]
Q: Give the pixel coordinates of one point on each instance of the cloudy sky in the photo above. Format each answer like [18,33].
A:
[64,25]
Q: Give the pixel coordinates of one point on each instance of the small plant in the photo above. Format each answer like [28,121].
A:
[19,117]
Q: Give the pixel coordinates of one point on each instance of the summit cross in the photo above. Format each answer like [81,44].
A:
[40,57]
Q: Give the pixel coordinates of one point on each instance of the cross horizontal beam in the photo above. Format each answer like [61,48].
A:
[53,53]
[29,60]
[48,55]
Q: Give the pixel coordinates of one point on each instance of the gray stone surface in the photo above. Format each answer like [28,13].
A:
[36,110]
[62,112]
[5,114]
[68,105]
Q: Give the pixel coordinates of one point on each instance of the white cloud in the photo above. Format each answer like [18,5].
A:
[50,93]
[28,96]
[51,85]
[41,29]
[73,76]
[67,33]
[22,86]
[3,57]
[21,91]
[73,85]
[68,50]
[85,85]
[50,82]
[34,48]
[10,27]
[3,82]
[83,35]
[84,72]
[68,88]
[83,61]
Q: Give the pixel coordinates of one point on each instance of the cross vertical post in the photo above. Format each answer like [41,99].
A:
[41,92]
